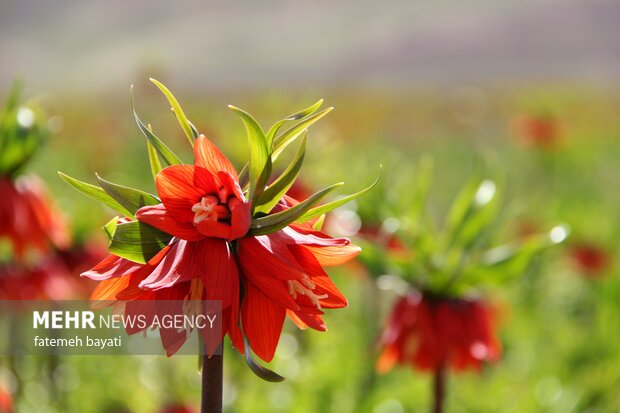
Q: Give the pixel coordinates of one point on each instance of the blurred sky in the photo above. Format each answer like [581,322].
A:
[75,45]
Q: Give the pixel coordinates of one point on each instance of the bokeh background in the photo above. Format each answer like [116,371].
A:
[534,83]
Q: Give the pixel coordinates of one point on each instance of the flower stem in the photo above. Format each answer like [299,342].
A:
[212,379]
[439,389]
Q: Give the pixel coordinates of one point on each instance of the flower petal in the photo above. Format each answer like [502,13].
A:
[159,217]
[106,290]
[214,229]
[268,256]
[167,273]
[208,156]
[240,220]
[112,266]
[262,322]
[212,260]
[182,186]
[324,285]
[330,256]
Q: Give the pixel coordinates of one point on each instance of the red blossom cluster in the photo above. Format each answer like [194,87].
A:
[431,333]
[213,257]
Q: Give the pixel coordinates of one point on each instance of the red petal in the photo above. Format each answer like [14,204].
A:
[268,256]
[112,266]
[182,186]
[159,217]
[324,284]
[106,290]
[212,260]
[240,221]
[330,256]
[208,156]
[307,236]
[214,229]
[295,319]
[314,321]
[167,273]
[262,322]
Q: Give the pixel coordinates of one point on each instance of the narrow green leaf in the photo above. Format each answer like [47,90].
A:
[290,118]
[282,141]
[110,228]
[318,225]
[95,193]
[259,151]
[421,189]
[137,241]
[262,372]
[153,159]
[274,222]
[325,208]
[280,186]
[178,111]
[166,154]
[130,198]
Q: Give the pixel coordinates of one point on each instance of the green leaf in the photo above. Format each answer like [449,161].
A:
[485,209]
[95,193]
[137,241]
[110,228]
[325,208]
[262,372]
[318,225]
[274,192]
[153,159]
[259,152]
[290,118]
[274,222]
[166,154]
[178,111]
[511,260]
[130,198]
[282,141]
[421,189]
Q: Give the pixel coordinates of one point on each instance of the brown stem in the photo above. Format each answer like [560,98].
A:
[439,389]
[212,381]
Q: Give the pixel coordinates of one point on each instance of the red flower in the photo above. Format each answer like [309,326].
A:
[590,259]
[6,402]
[377,235]
[28,219]
[177,408]
[48,279]
[203,207]
[541,132]
[429,333]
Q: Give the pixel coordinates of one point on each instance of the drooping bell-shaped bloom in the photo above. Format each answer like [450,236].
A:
[29,220]
[430,333]
[212,255]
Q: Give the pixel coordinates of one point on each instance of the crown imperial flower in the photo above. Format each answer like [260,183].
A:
[212,233]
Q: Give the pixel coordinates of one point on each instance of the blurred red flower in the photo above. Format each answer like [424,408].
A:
[6,402]
[50,278]
[590,259]
[430,333]
[28,218]
[204,209]
[377,235]
[177,408]
[542,132]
